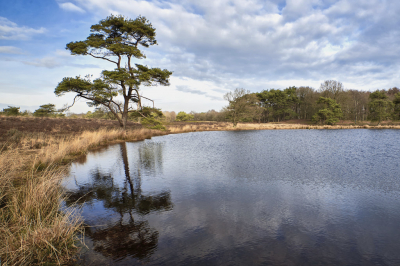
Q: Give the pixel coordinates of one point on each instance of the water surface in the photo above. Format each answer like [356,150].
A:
[282,197]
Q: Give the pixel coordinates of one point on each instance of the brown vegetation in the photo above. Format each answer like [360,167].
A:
[32,228]
[293,124]
[57,126]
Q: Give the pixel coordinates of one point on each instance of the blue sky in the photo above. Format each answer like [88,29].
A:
[212,46]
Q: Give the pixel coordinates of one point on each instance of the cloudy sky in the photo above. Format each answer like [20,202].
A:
[212,47]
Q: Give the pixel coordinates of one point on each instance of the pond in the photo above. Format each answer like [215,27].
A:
[281,197]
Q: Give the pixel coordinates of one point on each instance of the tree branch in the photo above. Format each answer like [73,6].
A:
[103,58]
[67,108]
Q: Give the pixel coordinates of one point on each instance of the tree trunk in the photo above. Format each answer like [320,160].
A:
[125,112]
[124,120]
[120,121]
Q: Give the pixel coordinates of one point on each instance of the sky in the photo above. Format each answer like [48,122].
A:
[212,47]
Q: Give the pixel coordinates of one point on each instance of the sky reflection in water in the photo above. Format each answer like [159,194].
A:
[300,197]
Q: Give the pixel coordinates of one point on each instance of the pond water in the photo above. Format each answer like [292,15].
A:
[282,197]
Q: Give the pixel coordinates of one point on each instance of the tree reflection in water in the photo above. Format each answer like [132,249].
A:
[127,237]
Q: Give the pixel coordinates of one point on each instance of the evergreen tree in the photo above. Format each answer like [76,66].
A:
[279,105]
[330,114]
[396,104]
[46,110]
[11,110]
[116,40]
[380,107]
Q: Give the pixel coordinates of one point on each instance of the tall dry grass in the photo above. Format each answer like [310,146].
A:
[34,230]
[62,149]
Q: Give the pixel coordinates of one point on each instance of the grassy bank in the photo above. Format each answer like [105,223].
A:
[33,230]
[190,127]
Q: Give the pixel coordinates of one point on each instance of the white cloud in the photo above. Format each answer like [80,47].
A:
[214,46]
[63,53]
[58,58]
[195,91]
[71,7]
[10,50]
[48,62]
[11,31]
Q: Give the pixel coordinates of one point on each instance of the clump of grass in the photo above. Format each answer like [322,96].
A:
[33,230]
[14,138]
[14,135]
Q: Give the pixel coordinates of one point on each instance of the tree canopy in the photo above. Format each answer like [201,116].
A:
[47,110]
[331,112]
[11,110]
[279,104]
[243,105]
[182,116]
[117,40]
[380,107]
[396,105]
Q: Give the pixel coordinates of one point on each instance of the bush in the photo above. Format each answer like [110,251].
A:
[147,112]
[48,110]
[11,111]
[152,123]
[100,113]
[182,116]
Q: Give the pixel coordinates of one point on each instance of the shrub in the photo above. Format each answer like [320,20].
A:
[148,112]
[182,116]
[48,110]
[11,111]
[152,123]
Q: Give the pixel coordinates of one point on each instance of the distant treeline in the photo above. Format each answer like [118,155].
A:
[325,105]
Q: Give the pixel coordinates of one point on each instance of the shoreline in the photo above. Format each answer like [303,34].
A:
[267,126]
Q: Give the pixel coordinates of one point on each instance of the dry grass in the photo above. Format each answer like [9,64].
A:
[64,148]
[33,229]
[267,126]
